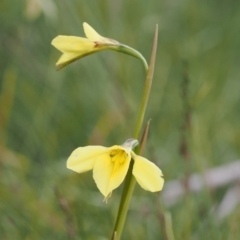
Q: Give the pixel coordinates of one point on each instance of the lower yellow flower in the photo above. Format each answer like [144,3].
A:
[110,166]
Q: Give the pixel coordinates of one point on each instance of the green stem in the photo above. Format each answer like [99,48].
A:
[130,51]
[130,180]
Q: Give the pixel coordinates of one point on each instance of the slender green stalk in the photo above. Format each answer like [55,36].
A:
[132,52]
[130,180]
[168,225]
[147,87]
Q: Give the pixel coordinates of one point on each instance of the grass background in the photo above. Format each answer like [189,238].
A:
[45,114]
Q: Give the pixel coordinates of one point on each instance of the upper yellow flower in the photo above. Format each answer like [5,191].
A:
[110,166]
[74,48]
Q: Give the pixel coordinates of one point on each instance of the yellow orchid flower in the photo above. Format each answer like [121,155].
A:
[74,48]
[110,166]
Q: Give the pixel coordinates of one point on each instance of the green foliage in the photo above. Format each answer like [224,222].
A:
[45,114]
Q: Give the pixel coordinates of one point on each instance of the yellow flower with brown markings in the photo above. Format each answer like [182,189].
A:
[110,166]
[74,48]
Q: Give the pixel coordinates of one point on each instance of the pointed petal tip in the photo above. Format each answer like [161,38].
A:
[56,40]
[91,33]
[85,25]
[58,66]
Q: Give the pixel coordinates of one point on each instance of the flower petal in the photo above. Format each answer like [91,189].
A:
[108,172]
[147,174]
[67,58]
[82,159]
[91,34]
[72,44]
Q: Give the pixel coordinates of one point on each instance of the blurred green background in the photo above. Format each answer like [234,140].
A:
[45,114]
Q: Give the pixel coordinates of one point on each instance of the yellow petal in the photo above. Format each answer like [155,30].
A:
[147,174]
[67,58]
[71,44]
[91,34]
[110,169]
[82,159]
